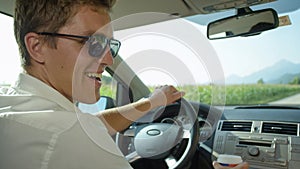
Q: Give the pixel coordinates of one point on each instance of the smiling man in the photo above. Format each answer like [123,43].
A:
[65,46]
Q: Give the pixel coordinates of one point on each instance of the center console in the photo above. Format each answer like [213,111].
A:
[263,144]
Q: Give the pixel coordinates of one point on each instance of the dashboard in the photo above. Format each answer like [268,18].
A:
[264,136]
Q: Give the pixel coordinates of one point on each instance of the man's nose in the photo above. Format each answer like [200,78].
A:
[107,59]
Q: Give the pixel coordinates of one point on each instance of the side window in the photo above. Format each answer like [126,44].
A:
[109,86]
[9,54]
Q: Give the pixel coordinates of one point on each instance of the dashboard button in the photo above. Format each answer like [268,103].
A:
[253,151]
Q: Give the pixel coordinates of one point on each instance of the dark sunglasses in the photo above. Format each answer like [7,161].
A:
[97,43]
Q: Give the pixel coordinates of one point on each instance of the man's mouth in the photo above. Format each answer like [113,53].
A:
[95,76]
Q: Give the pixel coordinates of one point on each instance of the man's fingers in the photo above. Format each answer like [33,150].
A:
[177,95]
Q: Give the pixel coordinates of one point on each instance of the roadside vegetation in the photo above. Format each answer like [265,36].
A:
[245,94]
[242,94]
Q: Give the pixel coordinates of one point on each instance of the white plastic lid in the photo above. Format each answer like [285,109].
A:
[229,159]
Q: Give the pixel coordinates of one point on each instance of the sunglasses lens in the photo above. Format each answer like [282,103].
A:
[114,47]
[97,44]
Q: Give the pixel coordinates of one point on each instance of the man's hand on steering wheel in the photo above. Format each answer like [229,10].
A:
[165,95]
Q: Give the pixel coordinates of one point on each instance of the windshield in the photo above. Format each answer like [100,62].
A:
[262,69]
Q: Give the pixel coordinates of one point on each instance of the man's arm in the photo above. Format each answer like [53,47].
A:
[119,118]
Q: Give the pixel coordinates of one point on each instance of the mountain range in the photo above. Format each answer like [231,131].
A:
[283,72]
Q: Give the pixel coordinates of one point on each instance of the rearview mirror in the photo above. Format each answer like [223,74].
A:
[245,23]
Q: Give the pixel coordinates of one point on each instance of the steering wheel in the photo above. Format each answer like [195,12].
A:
[171,136]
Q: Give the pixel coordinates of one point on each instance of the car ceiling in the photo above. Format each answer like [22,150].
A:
[181,8]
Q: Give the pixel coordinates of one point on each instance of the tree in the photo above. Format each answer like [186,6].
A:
[296,80]
[260,81]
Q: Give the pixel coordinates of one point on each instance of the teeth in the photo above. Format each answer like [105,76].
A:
[95,75]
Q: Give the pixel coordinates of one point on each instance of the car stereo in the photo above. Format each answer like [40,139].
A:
[262,144]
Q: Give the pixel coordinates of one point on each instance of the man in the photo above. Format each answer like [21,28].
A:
[65,46]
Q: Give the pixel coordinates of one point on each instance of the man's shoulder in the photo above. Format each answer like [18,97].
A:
[10,96]
[34,111]
[6,89]
[16,101]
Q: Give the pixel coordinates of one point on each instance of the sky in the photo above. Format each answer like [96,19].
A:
[240,56]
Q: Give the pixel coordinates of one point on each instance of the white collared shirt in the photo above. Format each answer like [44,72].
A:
[41,129]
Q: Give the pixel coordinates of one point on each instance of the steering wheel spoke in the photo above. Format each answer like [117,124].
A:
[130,132]
[132,157]
[170,161]
[186,134]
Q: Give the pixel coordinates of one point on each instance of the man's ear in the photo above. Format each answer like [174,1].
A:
[34,47]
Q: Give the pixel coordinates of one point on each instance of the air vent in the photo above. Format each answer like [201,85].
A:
[236,126]
[280,128]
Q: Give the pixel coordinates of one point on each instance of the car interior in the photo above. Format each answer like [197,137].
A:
[236,60]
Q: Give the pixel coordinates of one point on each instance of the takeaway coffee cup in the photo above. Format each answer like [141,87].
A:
[229,160]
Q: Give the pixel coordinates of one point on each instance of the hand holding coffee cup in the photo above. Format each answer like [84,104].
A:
[226,161]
